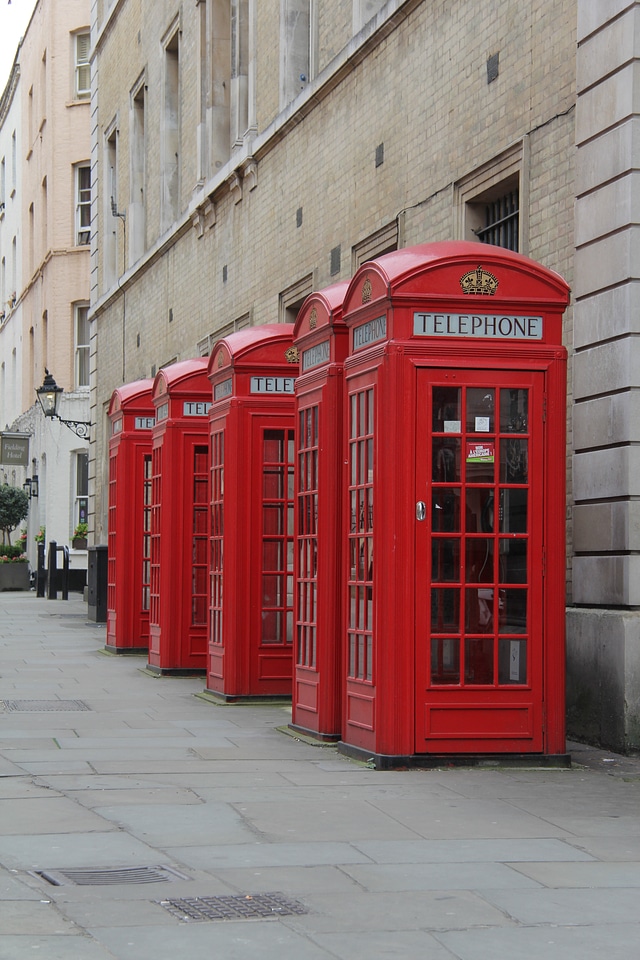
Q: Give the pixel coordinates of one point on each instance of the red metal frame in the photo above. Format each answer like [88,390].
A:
[458,315]
[180,519]
[132,415]
[322,341]
[252,421]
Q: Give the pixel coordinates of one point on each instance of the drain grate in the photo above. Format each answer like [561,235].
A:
[43,706]
[257,907]
[88,877]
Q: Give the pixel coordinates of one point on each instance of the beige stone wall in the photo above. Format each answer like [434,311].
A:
[421,91]
[56,137]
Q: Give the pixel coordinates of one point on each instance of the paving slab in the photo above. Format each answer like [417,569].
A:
[80,947]
[445,864]
[589,942]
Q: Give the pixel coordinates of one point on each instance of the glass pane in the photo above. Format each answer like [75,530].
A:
[513,511]
[446,410]
[514,460]
[445,560]
[272,555]
[271,596]
[479,610]
[445,610]
[273,519]
[512,661]
[273,483]
[446,460]
[273,446]
[445,660]
[480,410]
[513,561]
[479,560]
[480,456]
[271,626]
[480,510]
[478,660]
[514,411]
[445,510]
[513,611]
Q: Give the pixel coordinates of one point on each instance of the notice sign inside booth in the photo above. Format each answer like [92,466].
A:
[480,452]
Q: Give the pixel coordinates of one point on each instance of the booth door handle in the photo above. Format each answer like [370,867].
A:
[421,510]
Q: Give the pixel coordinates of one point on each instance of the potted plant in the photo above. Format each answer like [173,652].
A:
[14,569]
[79,536]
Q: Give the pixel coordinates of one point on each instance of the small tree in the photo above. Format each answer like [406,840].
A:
[14,507]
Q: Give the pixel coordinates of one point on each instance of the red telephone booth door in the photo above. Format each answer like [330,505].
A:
[479,551]
[271,662]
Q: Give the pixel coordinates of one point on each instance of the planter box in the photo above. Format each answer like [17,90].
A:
[14,576]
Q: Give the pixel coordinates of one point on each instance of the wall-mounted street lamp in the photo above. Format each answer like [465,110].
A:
[49,398]
[31,487]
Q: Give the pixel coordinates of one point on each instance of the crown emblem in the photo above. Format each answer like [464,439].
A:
[367,290]
[291,355]
[313,319]
[220,359]
[479,281]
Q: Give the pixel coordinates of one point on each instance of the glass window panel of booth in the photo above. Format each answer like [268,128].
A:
[200,572]
[277,536]
[146,531]
[361,497]
[480,535]
[111,537]
[156,520]
[217,533]
[306,624]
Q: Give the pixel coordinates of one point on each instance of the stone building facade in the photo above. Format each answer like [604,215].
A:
[45,227]
[245,154]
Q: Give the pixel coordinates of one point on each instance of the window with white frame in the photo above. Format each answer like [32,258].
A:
[83,205]
[81,488]
[82,66]
[81,324]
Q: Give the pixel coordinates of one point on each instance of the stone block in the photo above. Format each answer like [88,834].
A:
[603,677]
[606,368]
[611,313]
[607,581]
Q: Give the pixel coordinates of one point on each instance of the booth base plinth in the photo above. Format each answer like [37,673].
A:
[130,651]
[430,761]
[221,698]
[174,671]
[313,734]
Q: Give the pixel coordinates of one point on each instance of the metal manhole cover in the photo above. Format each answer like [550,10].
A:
[43,706]
[88,877]
[256,907]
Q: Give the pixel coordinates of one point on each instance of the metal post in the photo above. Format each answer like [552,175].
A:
[52,593]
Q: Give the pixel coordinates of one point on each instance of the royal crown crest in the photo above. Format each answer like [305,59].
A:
[292,355]
[367,290]
[479,281]
[313,319]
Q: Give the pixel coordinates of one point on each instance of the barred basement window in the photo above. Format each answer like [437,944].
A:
[501,221]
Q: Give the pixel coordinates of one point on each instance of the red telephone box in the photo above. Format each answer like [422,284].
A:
[456,502]
[322,340]
[132,417]
[180,519]
[252,421]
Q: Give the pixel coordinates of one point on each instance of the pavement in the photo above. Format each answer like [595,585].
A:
[139,821]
